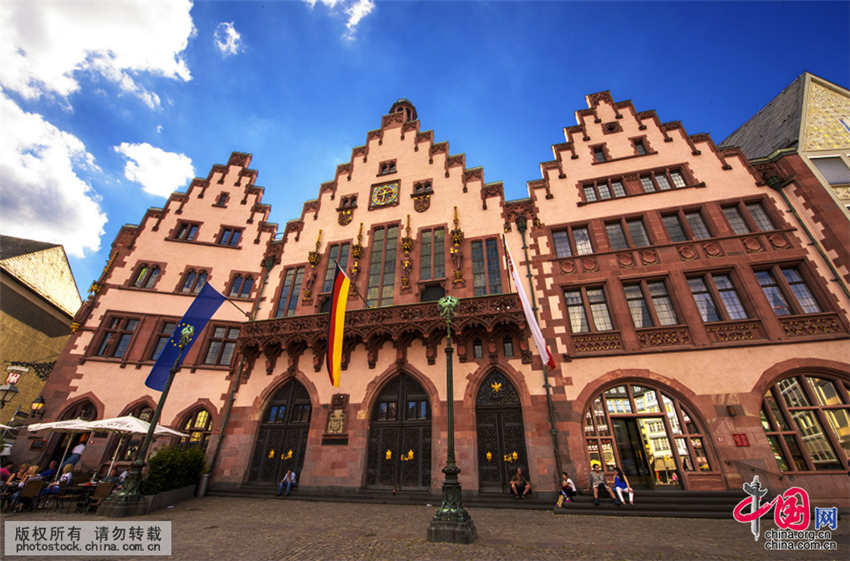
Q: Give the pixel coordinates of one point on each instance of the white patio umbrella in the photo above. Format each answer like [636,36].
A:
[71,426]
[125,426]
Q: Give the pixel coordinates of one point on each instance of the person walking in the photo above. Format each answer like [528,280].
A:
[76,453]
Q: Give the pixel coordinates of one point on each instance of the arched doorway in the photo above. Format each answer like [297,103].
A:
[501,436]
[650,434]
[400,437]
[282,441]
[84,410]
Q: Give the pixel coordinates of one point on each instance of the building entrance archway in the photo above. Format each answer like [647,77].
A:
[500,432]
[282,440]
[649,433]
[85,411]
[399,455]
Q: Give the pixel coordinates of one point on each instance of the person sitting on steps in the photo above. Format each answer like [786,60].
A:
[519,484]
[288,482]
[597,482]
[621,483]
[568,490]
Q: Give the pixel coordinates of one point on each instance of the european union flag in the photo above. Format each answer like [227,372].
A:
[198,316]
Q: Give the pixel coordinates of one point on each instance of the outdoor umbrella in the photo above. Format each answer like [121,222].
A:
[128,425]
[71,426]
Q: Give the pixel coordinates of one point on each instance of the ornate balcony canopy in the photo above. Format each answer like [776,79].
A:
[372,327]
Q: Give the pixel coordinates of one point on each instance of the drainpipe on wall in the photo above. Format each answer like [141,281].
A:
[776,183]
[268,264]
[521,226]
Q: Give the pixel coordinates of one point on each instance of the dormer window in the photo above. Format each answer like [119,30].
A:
[599,154]
[186,231]
[387,168]
[422,187]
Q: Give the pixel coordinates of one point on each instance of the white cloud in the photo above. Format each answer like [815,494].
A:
[354,10]
[159,129]
[42,197]
[227,39]
[355,13]
[159,172]
[45,44]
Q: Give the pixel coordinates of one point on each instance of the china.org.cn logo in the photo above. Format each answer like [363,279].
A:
[792,515]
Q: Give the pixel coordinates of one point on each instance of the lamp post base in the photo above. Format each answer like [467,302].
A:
[442,531]
[452,524]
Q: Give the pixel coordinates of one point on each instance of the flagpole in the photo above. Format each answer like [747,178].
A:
[521,226]
[353,285]
[244,313]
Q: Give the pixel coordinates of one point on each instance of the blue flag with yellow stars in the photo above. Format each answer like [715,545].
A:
[198,316]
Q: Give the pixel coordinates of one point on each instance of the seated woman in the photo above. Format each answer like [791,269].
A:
[53,488]
[519,484]
[32,473]
[621,483]
[568,489]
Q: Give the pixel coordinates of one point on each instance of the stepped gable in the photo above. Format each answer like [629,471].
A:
[597,138]
[402,120]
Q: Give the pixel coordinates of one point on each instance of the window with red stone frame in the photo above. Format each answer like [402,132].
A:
[241,285]
[146,275]
[805,419]
[787,291]
[116,336]
[186,231]
[747,217]
[193,281]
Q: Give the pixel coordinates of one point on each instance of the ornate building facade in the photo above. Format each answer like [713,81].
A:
[695,331]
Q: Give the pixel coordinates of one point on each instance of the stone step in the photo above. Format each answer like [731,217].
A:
[681,504]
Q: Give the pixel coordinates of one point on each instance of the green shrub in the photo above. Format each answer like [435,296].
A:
[173,468]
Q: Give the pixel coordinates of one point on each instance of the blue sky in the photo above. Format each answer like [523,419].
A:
[108,107]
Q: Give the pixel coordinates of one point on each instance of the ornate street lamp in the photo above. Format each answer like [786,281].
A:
[451,524]
[38,407]
[128,501]
[7,394]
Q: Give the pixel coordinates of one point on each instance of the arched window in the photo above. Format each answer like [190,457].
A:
[194,281]
[241,286]
[199,429]
[146,277]
[129,445]
[650,434]
[807,422]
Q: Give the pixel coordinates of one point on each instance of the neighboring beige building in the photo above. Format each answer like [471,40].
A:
[38,299]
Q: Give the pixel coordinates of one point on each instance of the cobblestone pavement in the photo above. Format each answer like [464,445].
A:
[220,528]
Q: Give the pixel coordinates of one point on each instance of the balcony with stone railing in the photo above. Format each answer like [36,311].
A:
[372,327]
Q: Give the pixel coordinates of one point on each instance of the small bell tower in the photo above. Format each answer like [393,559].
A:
[404,106]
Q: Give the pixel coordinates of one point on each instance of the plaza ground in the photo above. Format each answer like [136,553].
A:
[225,528]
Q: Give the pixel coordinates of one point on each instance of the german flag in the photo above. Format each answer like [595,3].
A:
[336,321]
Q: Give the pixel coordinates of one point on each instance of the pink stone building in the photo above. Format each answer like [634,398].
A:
[696,332]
